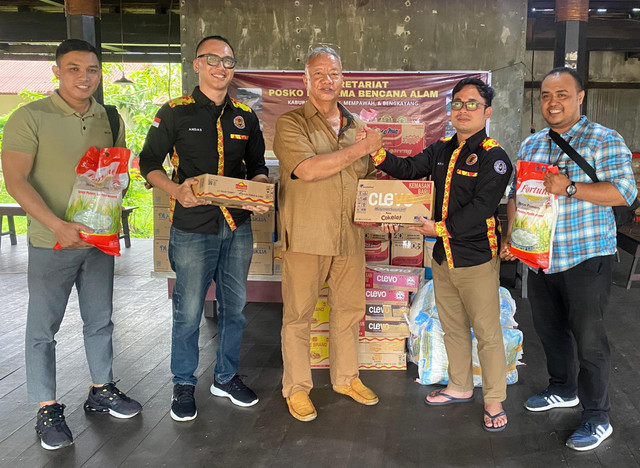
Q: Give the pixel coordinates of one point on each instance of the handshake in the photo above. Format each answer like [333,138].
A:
[370,139]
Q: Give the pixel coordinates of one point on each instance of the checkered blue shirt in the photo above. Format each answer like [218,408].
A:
[584,230]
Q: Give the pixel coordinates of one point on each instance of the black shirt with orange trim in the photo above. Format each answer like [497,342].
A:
[185,128]
[467,194]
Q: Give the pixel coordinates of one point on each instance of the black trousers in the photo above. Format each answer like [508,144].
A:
[570,306]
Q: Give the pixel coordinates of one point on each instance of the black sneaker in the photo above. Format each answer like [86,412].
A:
[236,391]
[52,428]
[108,399]
[183,403]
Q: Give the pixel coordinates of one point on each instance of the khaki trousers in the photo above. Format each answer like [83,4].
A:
[302,278]
[468,297]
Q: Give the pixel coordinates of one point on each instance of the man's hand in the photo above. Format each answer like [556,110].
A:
[389,228]
[426,228]
[256,209]
[373,140]
[68,235]
[556,184]
[361,134]
[184,194]
[505,252]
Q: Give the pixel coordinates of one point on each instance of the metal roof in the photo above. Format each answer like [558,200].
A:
[36,76]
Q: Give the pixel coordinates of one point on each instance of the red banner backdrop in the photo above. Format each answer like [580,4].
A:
[420,97]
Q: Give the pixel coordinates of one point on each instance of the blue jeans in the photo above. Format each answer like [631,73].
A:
[197,260]
[51,275]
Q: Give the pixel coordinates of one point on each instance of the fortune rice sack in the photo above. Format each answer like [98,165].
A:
[536,215]
[96,198]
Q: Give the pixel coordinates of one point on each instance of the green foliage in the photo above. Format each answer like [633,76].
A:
[137,104]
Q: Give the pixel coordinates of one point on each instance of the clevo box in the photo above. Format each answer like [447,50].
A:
[227,191]
[262,259]
[378,328]
[386,312]
[386,296]
[381,345]
[393,277]
[393,201]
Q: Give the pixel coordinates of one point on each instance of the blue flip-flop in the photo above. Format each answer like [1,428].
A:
[450,399]
[492,417]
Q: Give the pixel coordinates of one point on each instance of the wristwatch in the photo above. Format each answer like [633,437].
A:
[571,189]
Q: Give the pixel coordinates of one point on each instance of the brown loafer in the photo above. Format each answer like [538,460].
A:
[300,407]
[358,391]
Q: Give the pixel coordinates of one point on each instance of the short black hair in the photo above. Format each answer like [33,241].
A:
[216,38]
[72,45]
[485,91]
[576,76]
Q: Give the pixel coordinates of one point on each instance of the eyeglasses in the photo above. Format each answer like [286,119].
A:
[470,105]
[213,60]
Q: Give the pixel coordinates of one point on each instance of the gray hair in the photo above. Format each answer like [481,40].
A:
[319,50]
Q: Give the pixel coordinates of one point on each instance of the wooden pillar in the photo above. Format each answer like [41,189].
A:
[83,22]
[570,50]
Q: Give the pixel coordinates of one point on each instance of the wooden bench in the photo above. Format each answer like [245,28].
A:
[629,241]
[13,209]
[10,210]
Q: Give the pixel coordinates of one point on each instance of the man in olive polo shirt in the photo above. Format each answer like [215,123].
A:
[43,143]
[320,164]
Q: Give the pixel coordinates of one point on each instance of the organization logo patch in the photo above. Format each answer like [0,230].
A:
[472,159]
[239,122]
[500,167]
[156,121]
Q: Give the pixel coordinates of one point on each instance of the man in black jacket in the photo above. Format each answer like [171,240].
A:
[470,172]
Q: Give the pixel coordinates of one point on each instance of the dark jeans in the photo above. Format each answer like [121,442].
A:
[570,305]
[197,260]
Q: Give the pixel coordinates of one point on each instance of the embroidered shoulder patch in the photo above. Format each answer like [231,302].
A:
[181,101]
[489,143]
[241,105]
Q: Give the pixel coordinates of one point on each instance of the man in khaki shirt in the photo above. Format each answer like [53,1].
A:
[320,164]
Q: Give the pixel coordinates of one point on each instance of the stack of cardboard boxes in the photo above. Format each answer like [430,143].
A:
[384,328]
[265,248]
[161,228]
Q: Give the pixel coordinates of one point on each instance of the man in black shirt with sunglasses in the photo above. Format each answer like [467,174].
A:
[207,132]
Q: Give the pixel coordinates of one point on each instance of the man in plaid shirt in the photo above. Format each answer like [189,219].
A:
[571,297]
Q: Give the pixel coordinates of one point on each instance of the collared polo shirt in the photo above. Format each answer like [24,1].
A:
[317,217]
[57,136]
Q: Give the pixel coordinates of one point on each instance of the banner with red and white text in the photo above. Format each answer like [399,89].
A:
[402,97]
